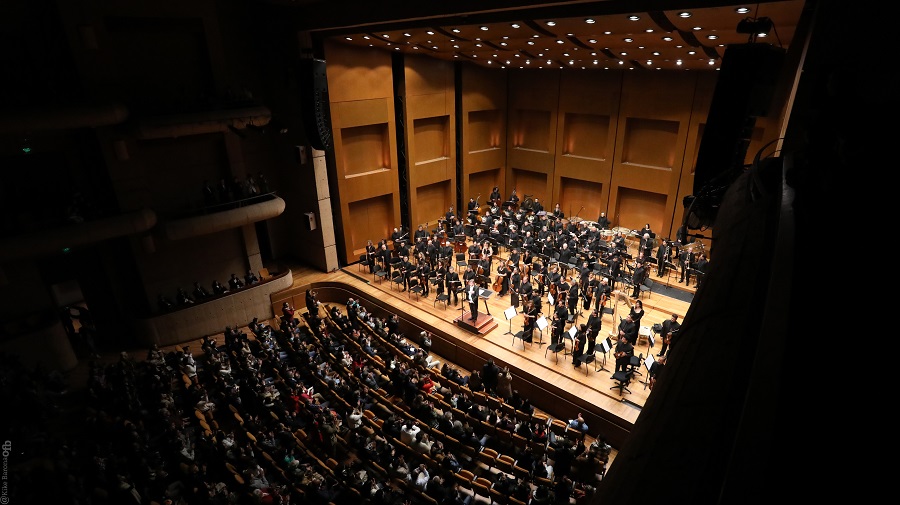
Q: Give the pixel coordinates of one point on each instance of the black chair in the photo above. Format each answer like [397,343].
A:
[443,297]
[396,278]
[380,273]
[646,287]
[622,379]
[555,348]
[586,359]
[415,287]
[461,261]
[363,261]
[635,364]
[521,336]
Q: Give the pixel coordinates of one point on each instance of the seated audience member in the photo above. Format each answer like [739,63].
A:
[218,289]
[250,278]
[199,291]
[235,283]
[182,298]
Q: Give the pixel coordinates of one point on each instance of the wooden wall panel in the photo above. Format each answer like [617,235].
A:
[432,202]
[484,98]
[360,89]
[579,198]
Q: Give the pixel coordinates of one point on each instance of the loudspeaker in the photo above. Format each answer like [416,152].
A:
[315,109]
[743,92]
[310,220]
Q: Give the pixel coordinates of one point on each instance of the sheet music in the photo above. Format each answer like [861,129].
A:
[604,345]
[485,293]
[652,341]
[572,331]
[550,299]
[510,312]
[648,362]
[542,323]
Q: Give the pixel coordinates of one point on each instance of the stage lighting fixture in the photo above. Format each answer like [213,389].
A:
[755,26]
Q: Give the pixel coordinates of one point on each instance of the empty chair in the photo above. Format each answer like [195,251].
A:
[482,487]
[396,279]
[646,287]
[379,273]
[415,288]
[363,261]
[505,463]
[488,456]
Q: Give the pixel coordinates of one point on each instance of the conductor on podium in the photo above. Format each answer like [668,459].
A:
[472,296]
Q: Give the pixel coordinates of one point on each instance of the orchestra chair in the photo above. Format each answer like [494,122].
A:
[379,273]
[396,278]
[623,379]
[363,262]
[415,287]
[646,287]
[635,364]
[586,359]
[443,297]
[521,336]
[555,348]
[461,262]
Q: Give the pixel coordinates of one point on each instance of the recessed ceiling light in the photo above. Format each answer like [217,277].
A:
[349,38]
[489,62]
[551,23]
[712,62]
[649,30]
[678,62]
[592,41]
[429,32]
[407,35]
[684,14]
[386,36]
[506,37]
[742,10]
[628,39]
[566,55]
[655,53]
[634,17]
[712,36]
[477,45]
[530,42]
[623,54]
[607,32]
[667,39]
[504,44]
[560,42]
[762,35]
[692,52]
[697,28]
[570,35]
[590,21]
[515,25]
[484,28]
[455,30]
[366,37]
[455,46]
[415,47]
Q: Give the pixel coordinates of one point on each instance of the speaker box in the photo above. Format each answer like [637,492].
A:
[315,109]
[744,91]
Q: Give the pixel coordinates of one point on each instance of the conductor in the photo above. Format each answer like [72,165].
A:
[472,296]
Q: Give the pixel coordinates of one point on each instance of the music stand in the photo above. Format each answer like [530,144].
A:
[541,323]
[651,343]
[604,346]
[510,313]
[648,362]
[484,294]
[571,336]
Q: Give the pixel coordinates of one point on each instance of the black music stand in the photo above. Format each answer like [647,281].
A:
[648,362]
[541,323]
[604,346]
[510,314]
[484,294]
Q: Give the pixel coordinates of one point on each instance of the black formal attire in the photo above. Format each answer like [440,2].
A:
[557,329]
[636,316]
[530,314]
[515,282]
[503,274]
[686,258]
[495,197]
[662,256]
[629,329]
[669,328]
[370,257]
[624,352]
[578,347]
[572,299]
[701,268]
[637,278]
[472,297]
[452,282]
[593,324]
[603,222]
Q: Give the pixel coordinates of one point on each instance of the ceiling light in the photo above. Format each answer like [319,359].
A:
[530,42]
[366,37]
[649,30]
[349,38]
[429,32]
[678,62]
[655,53]
[712,62]
[477,45]
[515,25]
[667,39]
[634,17]
[504,44]
[624,54]
[697,28]
[590,21]
[742,10]
[712,36]
[506,37]
[560,42]
[386,36]
[755,26]
[629,39]
[684,14]
[592,41]
[407,35]
[692,52]
[607,32]
[455,30]
[551,23]
[484,28]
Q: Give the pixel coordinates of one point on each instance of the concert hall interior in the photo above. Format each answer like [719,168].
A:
[175,168]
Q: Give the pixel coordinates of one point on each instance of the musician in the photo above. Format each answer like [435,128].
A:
[530,314]
[565,257]
[472,298]
[548,246]
[627,329]
[655,369]
[472,206]
[537,206]
[453,283]
[475,251]
[579,344]
[686,261]
[637,278]
[604,290]
[558,212]
[513,197]
[669,328]
[624,352]
[646,231]
[404,267]
[615,267]
[457,228]
[662,257]
[603,221]
[594,322]
[572,298]
[553,280]
[637,312]
[469,275]
[540,275]
[480,236]
[495,196]
[424,273]
[450,215]
[702,265]
[645,248]
[385,256]
[515,284]
[525,286]
[503,277]
[557,327]
[370,255]
[514,238]
[396,237]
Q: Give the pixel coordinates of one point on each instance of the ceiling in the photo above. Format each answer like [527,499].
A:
[600,35]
